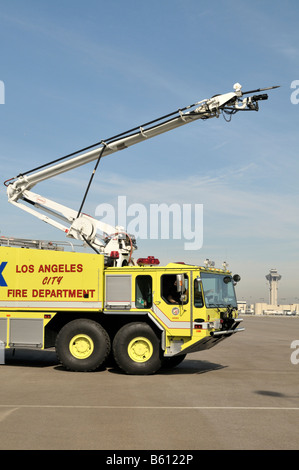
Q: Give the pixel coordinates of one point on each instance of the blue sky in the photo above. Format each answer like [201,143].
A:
[77,72]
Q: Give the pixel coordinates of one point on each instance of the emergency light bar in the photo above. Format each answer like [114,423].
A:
[148,260]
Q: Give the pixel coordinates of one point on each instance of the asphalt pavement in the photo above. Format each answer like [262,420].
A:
[241,395]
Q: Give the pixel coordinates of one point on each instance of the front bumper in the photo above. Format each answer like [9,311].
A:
[233,329]
[213,338]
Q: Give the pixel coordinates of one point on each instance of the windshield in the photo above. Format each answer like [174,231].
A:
[218,290]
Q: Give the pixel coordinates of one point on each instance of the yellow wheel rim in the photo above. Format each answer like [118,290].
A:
[140,349]
[81,346]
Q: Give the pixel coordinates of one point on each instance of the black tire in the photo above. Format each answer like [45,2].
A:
[82,345]
[136,349]
[172,362]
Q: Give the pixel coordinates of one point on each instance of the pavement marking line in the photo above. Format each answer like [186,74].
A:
[5,414]
[107,407]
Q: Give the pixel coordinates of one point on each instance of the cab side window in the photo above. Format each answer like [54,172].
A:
[198,297]
[143,292]
[169,291]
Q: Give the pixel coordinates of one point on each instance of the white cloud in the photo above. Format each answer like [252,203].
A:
[228,200]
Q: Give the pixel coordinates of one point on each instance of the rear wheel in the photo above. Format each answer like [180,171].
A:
[136,349]
[82,345]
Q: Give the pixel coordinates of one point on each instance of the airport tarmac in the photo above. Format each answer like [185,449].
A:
[243,395]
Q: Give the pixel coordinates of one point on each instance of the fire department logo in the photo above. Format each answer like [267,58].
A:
[175,311]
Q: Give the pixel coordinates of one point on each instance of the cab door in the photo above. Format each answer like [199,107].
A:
[174,308]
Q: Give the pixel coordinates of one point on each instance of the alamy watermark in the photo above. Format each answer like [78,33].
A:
[2,92]
[295,353]
[156,221]
[295,93]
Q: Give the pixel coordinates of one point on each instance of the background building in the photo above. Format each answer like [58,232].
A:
[271,308]
[273,277]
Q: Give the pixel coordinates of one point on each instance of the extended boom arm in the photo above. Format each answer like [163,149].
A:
[83,227]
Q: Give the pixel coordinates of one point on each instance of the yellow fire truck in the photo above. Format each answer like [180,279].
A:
[92,305]
[147,315]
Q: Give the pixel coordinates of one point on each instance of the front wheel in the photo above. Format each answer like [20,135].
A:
[136,349]
[82,345]
[172,362]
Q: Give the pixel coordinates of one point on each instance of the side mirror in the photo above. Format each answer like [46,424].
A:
[226,279]
[236,278]
[180,283]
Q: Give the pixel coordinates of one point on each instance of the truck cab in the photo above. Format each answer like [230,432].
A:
[191,308]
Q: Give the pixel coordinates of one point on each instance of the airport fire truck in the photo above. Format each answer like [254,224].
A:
[91,306]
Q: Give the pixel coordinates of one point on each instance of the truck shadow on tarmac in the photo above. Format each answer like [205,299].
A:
[191,366]
[30,358]
[38,358]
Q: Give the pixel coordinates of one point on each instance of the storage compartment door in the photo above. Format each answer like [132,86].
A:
[118,292]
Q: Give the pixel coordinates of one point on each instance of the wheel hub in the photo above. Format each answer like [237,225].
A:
[81,346]
[140,349]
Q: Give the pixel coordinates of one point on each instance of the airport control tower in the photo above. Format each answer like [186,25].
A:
[273,277]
